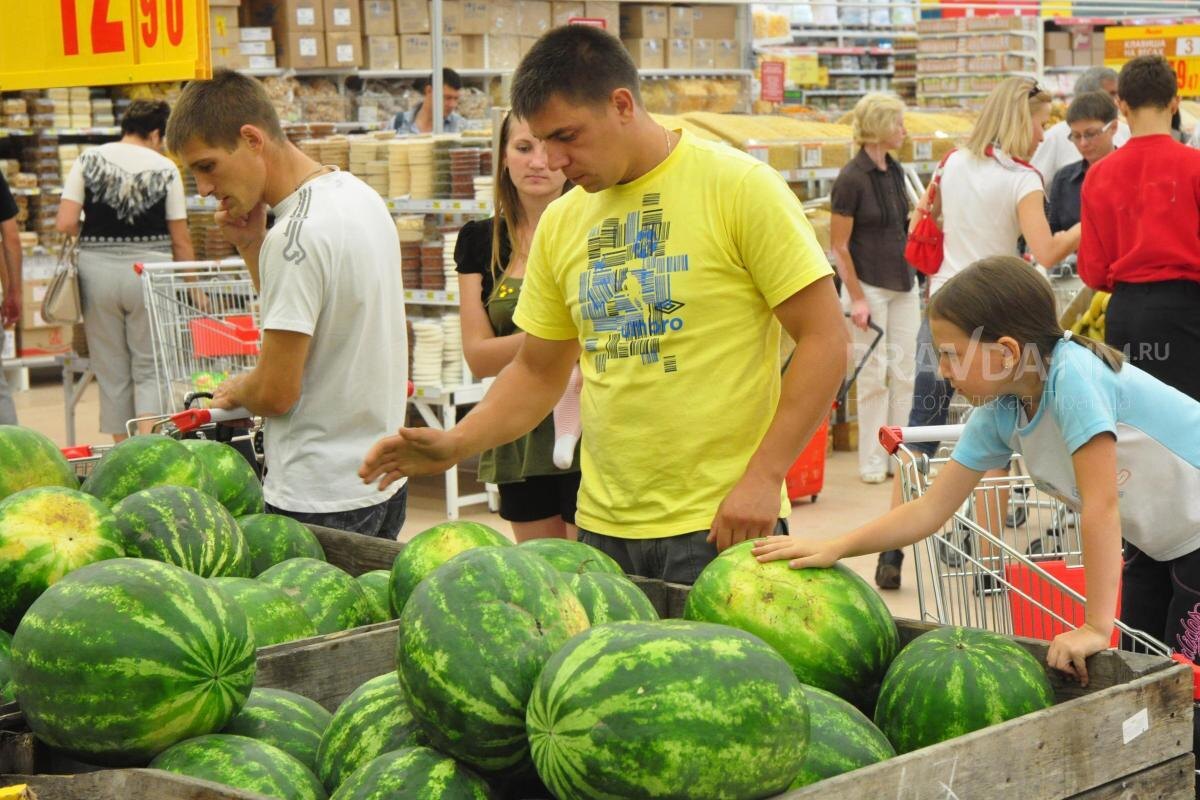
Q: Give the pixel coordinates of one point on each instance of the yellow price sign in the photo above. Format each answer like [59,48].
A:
[97,42]
[803,70]
[1179,44]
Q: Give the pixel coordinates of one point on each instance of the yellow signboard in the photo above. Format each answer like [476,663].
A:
[47,43]
[803,70]
[1179,44]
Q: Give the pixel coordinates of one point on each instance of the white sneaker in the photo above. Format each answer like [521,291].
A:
[874,477]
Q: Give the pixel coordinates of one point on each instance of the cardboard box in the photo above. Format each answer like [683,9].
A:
[302,50]
[227,57]
[45,341]
[286,16]
[703,54]
[416,51]
[33,292]
[679,54]
[223,28]
[382,52]
[266,48]
[261,62]
[452,17]
[1059,58]
[474,52]
[714,22]
[452,52]
[476,17]
[503,17]
[343,49]
[682,23]
[343,16]
[561,12]
[533,17]
[503,51]
[606,10]
[412,16]
[379,18]
[644,21]
[727,54]
[257,35]
[526,43]
[646,53]
[1058,40]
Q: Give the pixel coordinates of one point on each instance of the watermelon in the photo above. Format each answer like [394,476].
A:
[123,658]
[289,721]
[667,709]
[841,739]
[829,624]
[573,557]
[473,637]
[185,527]
[234,482]
[273,615]
[242,763]
[414,773]
[7,695]
[46,533]
[374,720]
[431,548]
[332,599]
[141,462]
[609,598]
[376,583]
[29,460]
[274,538]
[951,681]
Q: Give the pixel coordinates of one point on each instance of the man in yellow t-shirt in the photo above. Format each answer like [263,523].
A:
[666,272]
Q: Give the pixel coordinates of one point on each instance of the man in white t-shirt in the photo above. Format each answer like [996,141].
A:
[332,374]
[1057,150]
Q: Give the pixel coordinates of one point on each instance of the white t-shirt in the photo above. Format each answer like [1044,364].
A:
[1056,150]
[979,210]
[330,268]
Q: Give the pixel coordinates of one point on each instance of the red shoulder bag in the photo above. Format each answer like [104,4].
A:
[926,241]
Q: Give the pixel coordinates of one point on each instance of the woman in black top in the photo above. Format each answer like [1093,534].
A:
[536,497]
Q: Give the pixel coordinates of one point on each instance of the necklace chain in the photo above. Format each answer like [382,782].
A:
[312,174]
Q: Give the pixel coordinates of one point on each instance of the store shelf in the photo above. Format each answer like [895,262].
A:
[424,73]
[853,51]
[105,131]
[431,297]
[263,73]
[819,174]
[773,41]
[6,132]
[975,34]
[405,205]
[696,73]
[25,192]
[836,92]
[1054,70]
[836,33]
[1022,53]
[854,73]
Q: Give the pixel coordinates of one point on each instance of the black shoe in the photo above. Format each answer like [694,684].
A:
[887,571]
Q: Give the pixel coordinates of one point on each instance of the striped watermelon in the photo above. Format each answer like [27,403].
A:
[46,533]
[234,481]
[242,763]
[185,527]
[414,773]
[274,538]
[289,721]
[951,681]
[431,548]
[376,584]
[829,624]
[611,598]
[123,658]
[667,709]
[273,615]
[141,462]
[7,694]
[28,460]
[842,739]
[374,720]
[573,557]
[473,637]
[332,599]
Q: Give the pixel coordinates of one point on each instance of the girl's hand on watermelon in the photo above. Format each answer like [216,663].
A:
[1069,651]
[800,552]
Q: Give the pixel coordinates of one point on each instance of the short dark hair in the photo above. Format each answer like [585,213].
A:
[215,110]
[144,117]
[581,63]
[449,78]
[1147,81]
[1092,105]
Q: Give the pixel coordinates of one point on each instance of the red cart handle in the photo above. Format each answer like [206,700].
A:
[77,452]
[193,418]
[892,437]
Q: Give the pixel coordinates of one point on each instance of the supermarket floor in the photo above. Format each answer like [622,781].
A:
[845,502]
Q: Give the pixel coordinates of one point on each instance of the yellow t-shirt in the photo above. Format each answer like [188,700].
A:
[668,283]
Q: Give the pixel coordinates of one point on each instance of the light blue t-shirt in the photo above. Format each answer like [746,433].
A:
[1158,445]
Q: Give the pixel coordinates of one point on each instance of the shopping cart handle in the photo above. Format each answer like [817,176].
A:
[892,437]
[193,418]
[77,452]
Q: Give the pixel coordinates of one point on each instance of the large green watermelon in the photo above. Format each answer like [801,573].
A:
[287,720]
[7,695]
[611,598]
[185,527]
[28,460]
[234,481]
[842,739]
[332,599]
[573,557]
[376,584]
[46,533]
[273,615]
[121,659]
[831,626]
[431,548]
[473,637]
[951,681]
[274,538]
[413,773]
[242,763]
[141,462]
[667,709]
[374,720]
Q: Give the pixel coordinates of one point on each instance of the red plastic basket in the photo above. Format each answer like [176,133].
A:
[1032,617]
[232,336]
[806,477]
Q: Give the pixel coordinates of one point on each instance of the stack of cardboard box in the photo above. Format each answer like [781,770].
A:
[257,46]
[224,34]
[37,337]
[1079,49]
[681,37]
[298,27]
[343,34]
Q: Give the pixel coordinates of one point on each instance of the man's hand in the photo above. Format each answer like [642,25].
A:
[243,232]
[801,553]
[860,313]
[749,511]
[226,395]
[200,299]
[10,313]
[1069,650]
[412,451]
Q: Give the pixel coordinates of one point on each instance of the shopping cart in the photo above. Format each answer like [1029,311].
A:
[203,325]
[1010,560]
